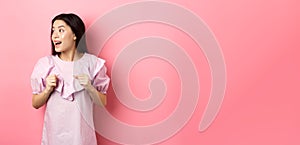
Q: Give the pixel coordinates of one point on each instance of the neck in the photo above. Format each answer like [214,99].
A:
[71,55]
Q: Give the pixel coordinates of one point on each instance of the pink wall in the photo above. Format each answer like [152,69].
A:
[259,41]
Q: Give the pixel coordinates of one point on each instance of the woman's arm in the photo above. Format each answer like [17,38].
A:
[38,100]
[97,97]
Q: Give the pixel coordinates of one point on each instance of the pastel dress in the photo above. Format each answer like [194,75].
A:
[68,118]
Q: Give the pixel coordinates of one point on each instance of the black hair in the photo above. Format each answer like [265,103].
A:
[78,28]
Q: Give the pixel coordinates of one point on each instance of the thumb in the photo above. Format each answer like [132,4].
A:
[75,76]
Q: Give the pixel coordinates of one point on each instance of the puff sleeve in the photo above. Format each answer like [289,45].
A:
[40,71]
[100,80]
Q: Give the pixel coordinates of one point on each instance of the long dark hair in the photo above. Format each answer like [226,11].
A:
[78,28]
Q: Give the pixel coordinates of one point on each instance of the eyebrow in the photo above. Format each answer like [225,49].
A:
[60,26]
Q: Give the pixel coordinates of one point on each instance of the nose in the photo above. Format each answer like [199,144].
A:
[54,35]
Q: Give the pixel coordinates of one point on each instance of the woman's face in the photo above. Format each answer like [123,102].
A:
[63,37]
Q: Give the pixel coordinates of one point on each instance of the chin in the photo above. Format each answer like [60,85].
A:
[58,50]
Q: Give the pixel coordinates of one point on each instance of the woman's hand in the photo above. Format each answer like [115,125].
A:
[97,97]
[51,82]
[38,100]
[84,80]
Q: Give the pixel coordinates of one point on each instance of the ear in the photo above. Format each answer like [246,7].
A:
[74,36]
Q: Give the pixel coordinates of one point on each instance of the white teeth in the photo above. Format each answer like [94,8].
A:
[56,43]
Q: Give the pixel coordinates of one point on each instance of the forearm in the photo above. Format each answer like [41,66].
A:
[96,96]
[38,100]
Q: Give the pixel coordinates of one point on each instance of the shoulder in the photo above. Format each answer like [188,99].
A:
[46,60]
[94,59]
[95,63]
[42,66]
[44,63]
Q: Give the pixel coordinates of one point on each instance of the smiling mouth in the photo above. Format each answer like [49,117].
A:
[57,43]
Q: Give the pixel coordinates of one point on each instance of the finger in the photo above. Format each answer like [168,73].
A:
[75,76]
[51,79]
[52,76]
[52,84]
[81,81]
[80,78]
[81,75]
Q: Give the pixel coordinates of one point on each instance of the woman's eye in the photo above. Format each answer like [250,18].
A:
[61,30]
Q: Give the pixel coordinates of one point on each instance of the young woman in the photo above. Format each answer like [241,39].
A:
[69,82]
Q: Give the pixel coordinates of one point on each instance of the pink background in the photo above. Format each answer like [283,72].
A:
[259,40]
